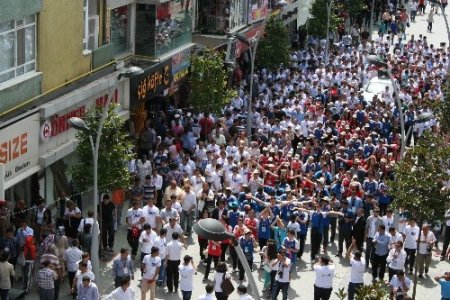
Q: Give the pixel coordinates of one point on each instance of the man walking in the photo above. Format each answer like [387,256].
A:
[173,257]
[46,281]
[188,209]
[282,265]
[381,244]
[108,215]
[358,264]
[123,267]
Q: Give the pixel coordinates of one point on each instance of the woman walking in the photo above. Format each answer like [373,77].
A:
[430,21]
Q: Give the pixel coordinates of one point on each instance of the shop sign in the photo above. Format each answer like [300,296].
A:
[180,75]
[251,35]
[153,82]
[258,9]
[19,146]
[181,61]
[58,123]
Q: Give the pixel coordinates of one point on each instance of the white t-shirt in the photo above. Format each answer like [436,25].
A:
[147,241]
[447,215]
[388,222]
[411,234]
[357,272]
[218,278]
[160,243]
[150,214]
[189,201]
[170,230]
[395,282]
[174,249]
[324,276]
[186,277]
[428,239]
[285,271]
[134,217]
[84,222]
[151,265]
[79,276]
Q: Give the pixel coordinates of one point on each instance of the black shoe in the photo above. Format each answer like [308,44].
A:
[420,275]
[339,255]
[410,271]
[426,270]
[442,258]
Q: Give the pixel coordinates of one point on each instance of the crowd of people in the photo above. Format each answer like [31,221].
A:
[317,161]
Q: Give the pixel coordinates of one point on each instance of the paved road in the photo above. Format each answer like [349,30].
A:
[302,282]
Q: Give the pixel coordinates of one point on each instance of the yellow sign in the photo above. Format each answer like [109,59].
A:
[178,76]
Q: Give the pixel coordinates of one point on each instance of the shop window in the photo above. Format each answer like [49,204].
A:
[119,31]
[222,16]
[17,47]
[163,28]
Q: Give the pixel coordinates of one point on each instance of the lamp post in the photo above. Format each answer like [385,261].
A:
[378,61]
[252,48]
[80,124]
[329,4]
[212,229]
[372,7]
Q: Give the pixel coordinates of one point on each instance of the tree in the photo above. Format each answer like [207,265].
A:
[273,49]
[419,180]
[442,109]
[317,23]
[375,291]
[209,82]
[114,152]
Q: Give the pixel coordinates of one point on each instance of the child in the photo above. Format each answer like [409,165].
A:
[292,246]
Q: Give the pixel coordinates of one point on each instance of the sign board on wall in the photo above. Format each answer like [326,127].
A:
[54,129]
[154,81]
[19,146]
[258,9]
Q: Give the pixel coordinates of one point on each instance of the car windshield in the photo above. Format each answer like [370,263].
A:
[377,87]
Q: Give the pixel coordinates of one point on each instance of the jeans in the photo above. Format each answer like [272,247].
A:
[280,286]
[316,240]
[45,294]
[241,267]
[186,220]
[162,273]
[173,275]
[322,293]
[352,288]
[234,257]
[108,234]
[186,295]
[224,250]
[71,276]
[379,266]
[208,264]
[410,258]
[27,275]
[446,241]
[301,238]
[119,209]
[344,235]
[133,242]
[4,294]
[369,251]
[57,284]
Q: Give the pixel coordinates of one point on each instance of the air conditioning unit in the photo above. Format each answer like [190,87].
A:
[93,32]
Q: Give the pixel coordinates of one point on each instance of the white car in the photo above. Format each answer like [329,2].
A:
[376,86]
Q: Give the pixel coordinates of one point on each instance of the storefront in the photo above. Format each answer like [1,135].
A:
[179,89]
[19,153]
[222,16]
[289,15]
[57,140]
[149,93]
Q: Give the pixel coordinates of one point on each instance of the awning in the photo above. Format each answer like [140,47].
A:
[209,41]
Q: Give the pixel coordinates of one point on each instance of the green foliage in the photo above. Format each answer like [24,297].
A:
[355,7]
[317,23]
[375,291]
[114,152]
[208,79]
[273,49]
[418,184]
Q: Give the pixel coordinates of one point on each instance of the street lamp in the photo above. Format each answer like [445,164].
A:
[212,229]
[438,2]
[329,4]
[80,124]
[378,61]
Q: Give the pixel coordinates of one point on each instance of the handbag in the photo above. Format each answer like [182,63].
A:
[267,268]
[226,285]
[21,259]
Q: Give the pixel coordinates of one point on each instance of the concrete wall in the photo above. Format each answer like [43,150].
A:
[16,9]
[60,42]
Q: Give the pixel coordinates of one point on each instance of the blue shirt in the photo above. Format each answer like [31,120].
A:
[317,221]
[303,227]
[247,246]
[234,217]
[264,229]
[445,288]
[382,244]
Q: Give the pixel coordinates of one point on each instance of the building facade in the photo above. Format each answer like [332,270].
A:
[60,58]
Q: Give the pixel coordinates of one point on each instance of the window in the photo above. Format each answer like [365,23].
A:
[17,47]
[86,25]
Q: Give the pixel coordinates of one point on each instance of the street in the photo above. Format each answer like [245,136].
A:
[302,280]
